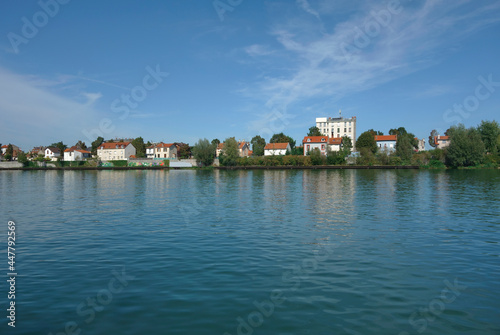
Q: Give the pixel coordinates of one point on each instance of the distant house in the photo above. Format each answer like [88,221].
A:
[36,151]
[421,145]
[243,149]
[53,153]
[162,150]
[15,150]
[150,151]
[386,142]
[335,143]
[115,151]
[441,141]
[276,149]
[312,142]
[76,154]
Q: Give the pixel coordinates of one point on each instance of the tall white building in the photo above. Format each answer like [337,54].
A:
[338,127]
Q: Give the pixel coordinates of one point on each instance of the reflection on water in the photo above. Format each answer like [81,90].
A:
[205,246]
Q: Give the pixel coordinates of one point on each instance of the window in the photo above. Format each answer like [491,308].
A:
[338,130]
[308,147]
[345,130]
[349,129]
[322,147]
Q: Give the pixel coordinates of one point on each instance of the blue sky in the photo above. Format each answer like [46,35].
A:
[182,70]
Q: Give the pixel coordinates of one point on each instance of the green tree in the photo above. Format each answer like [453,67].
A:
[204,152]
[366,140]
[215,142]
[433,134]
[466,147]
[282,138]
[405,146]
[183,150]
[297,151]
[140,147]
[399,131]
[230,154]
[81,145]
[346,145]
[375,132]
[96,144]
[258,145]
[9,153]
[490,132]
[316,157]
[314,131]
[21,158]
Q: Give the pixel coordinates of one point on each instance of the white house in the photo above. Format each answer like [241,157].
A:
[386,142]
[275,149]
[334,143]
[421,144]
[150,151]
[163,150]
[312,142]
[115,151]
[338,127]
[441,141]
[53,153]
[76,154]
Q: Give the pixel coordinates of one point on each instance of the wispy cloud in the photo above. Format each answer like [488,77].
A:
[304,4]
[414,39]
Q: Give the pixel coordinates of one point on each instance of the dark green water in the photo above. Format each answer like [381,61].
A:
[253,252]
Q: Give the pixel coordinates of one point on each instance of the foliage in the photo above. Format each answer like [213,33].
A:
[229,154]
[81,145]
[289,160]
[367,156]
[399,131]
[405,146]
[204,152]
[346,145]
[490,132]
[314,131]
[258,145]
[336,158]
[282,138]
[61,146]
[316,157]
[183,150]
[119,163]
[9,153]
[297,151]
[466,147]
[21,157]
[140,147]
[375,132]
[215,142]
[366,140]
[433,134]
[96,144]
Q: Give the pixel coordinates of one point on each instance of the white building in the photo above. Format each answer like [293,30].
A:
[76,154]
[53,153]
[441,141]
[312,142]
[338,127]
[386,142]
[115,151]
[276,149]
[162,150]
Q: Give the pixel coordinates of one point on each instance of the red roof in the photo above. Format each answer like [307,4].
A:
[5,146]
[74,148]
[241,144]
[385,138]
[276,146]
[335,140]
[443,138]
[164,145]
[115,145]
[315,139]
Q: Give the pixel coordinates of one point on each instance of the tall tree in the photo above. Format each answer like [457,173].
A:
[230,153]
[367,140]
[258,145]
[433,134]
[399,131]
[405,146]
[204,152]
[215,142]
[490,131]
[346,145]
[466,147]
[282,138]
[96,144]
[314,131]
[9,153]
[140,147]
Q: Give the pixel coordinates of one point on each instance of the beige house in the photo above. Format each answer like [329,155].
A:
[115,151]
[441,141]
[243,149]
[163,150]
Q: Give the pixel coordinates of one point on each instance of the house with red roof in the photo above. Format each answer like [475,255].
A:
[276,149]
[315,142]
[115,151]
[162,150]
[76,154]
[386,142]
[441,141]
[243,149]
